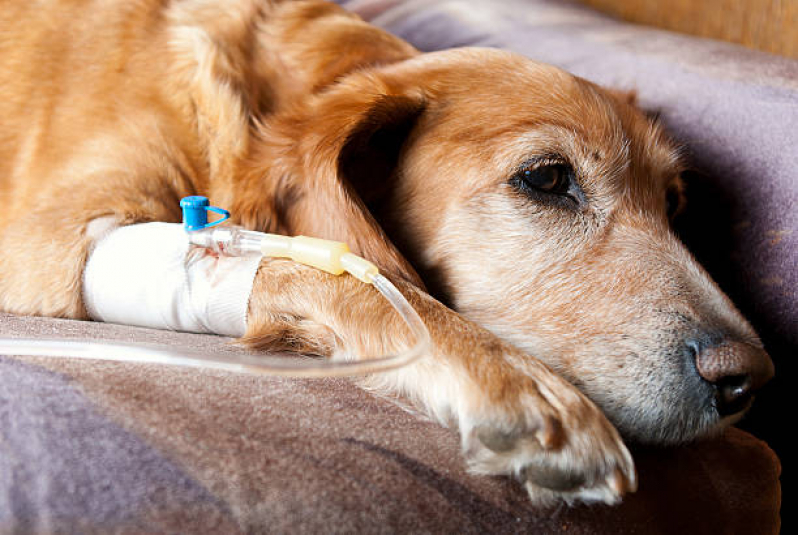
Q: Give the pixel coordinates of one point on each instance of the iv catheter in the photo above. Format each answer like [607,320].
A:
[330,256]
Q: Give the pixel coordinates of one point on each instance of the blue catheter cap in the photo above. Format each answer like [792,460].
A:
[195,212]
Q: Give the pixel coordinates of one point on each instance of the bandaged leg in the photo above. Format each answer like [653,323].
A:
[148,275]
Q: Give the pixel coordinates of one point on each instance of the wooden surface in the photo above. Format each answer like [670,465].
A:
[769,25]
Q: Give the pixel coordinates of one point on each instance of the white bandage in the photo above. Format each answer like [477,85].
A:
[148,275]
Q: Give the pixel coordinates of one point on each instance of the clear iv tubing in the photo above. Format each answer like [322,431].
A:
[238,242]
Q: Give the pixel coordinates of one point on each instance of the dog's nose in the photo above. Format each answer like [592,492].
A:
[736,370]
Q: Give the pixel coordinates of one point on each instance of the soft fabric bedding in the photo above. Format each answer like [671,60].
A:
[98,447]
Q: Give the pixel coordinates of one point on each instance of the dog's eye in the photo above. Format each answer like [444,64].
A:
[549,181]
[554,178]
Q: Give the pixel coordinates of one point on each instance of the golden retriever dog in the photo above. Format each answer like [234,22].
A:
[524,212]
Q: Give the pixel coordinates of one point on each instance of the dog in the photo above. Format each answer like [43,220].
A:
[524,213]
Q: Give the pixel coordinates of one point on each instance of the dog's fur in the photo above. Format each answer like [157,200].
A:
[302,119]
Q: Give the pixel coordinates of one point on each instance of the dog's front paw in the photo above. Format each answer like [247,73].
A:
[553,439]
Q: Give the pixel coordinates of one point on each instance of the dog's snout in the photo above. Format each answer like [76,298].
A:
[735,370]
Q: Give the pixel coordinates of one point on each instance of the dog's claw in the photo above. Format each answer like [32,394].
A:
[549,434]
[617,482]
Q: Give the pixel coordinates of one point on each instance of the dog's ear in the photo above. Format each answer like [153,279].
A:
[323,163]
[369,158]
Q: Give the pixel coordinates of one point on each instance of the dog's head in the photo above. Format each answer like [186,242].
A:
[538,205]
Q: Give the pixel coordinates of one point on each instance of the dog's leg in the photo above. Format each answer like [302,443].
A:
[515,416]
[44,250]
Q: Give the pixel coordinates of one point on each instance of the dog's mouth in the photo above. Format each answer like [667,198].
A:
[682,396]
[669,426]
